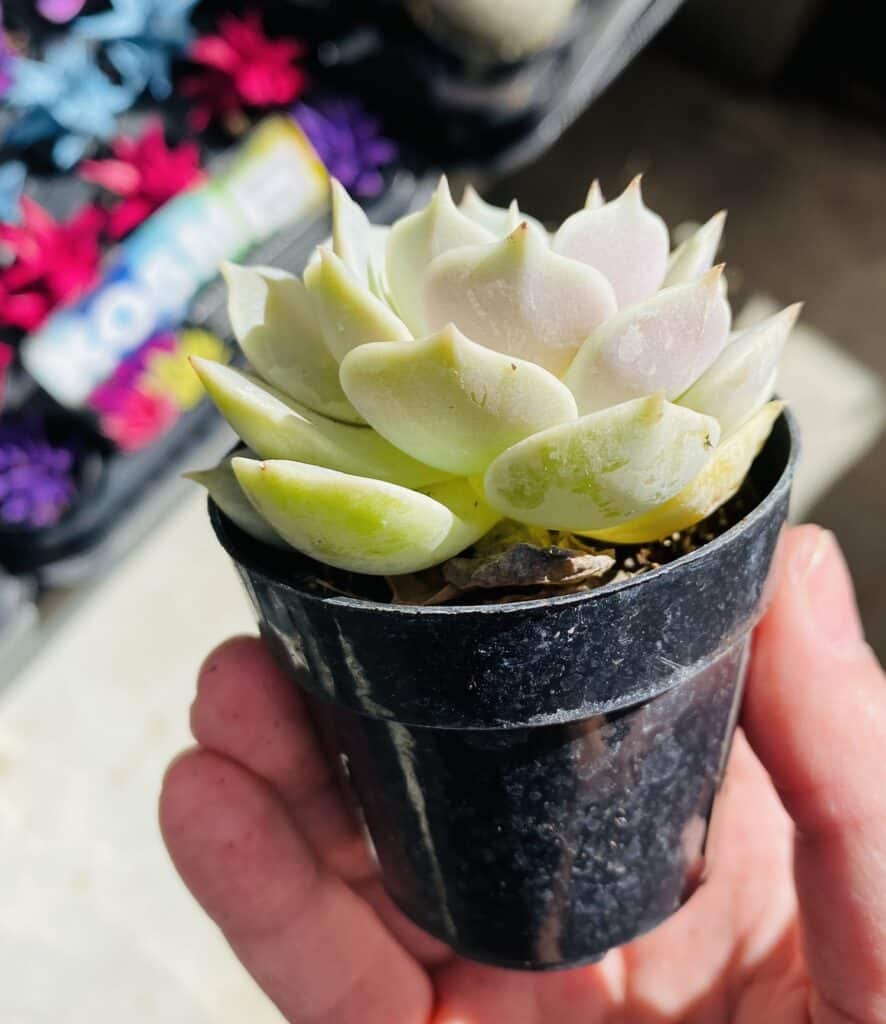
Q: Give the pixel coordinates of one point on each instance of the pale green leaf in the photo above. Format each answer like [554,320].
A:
[363,525]
[452,403]
[274,321]
[518,297]
[742,378]
[358,243]
[224,490]
[696,255]
[715,484]
[662,344]
[415,241]
[348,313]
[497,219]
[276,427]
[623,239]
[602,469]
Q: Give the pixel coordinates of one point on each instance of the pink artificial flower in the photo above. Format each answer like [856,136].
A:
[6,357]
[139,419]
[145,173]
[48,262]
[242,67]
[60,11]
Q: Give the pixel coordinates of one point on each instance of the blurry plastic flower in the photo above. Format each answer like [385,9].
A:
[49,262]
[60,11]
[422,383]
[349,142]
[242,67]
[143,37]
[6,356]
[64,97]
[139,419]
[170,373]
[37,482]
[144,173]
[12,182]
[7,56]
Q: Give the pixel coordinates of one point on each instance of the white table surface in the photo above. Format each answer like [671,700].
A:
[94,924]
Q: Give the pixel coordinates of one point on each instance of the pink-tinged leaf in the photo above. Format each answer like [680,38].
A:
[519,298]
[623,239]
[663,344]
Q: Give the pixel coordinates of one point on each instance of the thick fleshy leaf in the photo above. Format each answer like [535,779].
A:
[602,469]
[450,402]
[273,319]
[228,495]
[662,344]
[742,378]
[518,297]
[363,525]
[714,485]
[358,243]
[276,427]
[347,311]
[697,254]
[415,241]
[624,240]
[497,219]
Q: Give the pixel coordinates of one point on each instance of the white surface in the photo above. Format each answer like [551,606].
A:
[94,925]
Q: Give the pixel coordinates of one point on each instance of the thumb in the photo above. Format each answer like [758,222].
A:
[815,713]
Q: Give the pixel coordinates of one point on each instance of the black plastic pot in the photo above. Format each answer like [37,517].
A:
[537,777]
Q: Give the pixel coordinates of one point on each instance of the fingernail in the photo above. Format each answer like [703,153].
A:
[822,576]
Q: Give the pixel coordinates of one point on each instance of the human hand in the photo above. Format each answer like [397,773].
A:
[789,928]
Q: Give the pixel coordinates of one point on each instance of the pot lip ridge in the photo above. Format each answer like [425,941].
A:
[219,523]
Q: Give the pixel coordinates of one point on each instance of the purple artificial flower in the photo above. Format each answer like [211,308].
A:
[37,476]
[7,56]
[349,142]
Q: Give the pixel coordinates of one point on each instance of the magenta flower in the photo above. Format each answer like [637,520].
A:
[145,173]
[60,11]
[6,357]
[242,67]
[139,420]
[47,262]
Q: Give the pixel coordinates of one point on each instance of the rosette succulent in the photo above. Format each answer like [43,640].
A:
[424,382]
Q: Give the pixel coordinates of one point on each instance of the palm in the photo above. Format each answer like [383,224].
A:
[263,833]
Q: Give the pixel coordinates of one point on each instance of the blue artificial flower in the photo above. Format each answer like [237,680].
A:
[66,97]
[12,182]
[143,36]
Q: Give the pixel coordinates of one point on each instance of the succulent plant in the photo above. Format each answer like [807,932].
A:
[423,382]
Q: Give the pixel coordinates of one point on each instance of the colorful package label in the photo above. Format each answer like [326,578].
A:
[275,180]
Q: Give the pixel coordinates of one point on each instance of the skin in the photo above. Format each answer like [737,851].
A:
[789,928]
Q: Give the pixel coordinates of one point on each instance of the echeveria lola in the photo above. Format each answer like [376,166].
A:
[423,382]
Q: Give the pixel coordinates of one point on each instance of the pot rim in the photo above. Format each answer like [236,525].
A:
[220,524]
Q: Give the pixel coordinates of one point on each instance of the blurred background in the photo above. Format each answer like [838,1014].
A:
[143,141]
